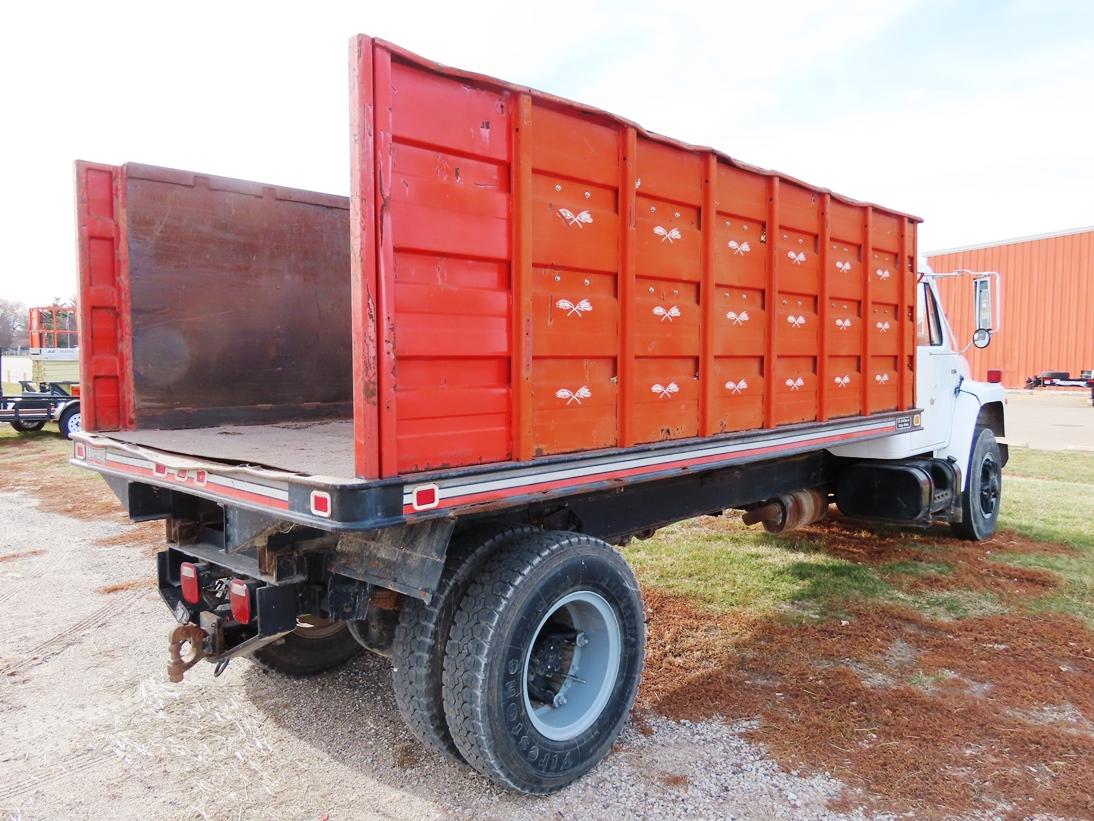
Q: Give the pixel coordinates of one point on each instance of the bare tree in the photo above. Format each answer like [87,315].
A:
[13,324]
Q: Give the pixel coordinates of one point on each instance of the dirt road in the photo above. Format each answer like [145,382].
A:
[89,726]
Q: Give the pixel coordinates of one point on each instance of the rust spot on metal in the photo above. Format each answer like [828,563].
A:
[183,634]
[384,599]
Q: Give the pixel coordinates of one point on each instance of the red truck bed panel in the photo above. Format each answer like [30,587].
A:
[550,279]
[515,279]
[207,300]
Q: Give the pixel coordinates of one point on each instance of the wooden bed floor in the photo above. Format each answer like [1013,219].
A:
[321,448]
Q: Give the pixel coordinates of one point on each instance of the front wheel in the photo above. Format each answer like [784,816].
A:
[543,661]
[984,490]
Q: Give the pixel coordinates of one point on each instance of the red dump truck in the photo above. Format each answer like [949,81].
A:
[419,419]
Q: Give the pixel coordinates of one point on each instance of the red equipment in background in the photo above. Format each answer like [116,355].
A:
[53,326]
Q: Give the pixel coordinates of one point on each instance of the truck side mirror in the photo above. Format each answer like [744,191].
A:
[982,304]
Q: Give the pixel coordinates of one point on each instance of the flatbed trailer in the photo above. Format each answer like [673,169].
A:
[38,404]
[417,420]
[1060,379]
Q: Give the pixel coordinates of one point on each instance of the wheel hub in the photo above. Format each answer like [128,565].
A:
[572,665]
[989,487]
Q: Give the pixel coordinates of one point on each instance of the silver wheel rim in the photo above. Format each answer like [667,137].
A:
[74,423]
[591,673]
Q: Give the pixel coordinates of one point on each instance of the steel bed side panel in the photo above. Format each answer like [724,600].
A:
[564,282]
[340,505]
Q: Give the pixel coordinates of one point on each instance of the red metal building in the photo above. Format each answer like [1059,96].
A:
[1047,300]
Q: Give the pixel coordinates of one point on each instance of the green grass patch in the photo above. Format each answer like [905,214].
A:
[1047,510]
[1047,497]
[1055,465]
[951,604]
[910,568]
[747,569]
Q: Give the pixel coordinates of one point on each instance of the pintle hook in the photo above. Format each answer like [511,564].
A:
[182,634]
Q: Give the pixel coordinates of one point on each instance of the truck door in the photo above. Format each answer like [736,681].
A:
[938,371]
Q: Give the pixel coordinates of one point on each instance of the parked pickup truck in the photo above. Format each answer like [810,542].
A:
[418,420]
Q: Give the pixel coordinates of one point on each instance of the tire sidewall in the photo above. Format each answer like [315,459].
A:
[465,559]
[66,420]
[986,446]
[529,756]
[296,655]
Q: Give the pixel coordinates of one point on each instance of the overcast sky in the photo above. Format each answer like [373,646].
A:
[977,116]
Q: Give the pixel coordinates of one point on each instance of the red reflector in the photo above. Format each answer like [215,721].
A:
[995,375]
[425,497]
[239,594]
[320,503]
[191,589]
[81,450]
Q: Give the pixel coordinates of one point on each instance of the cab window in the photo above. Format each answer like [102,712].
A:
[928,322]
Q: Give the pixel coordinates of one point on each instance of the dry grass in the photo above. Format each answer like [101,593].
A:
[132,584]
[922,715]
[169,724]
[22,554]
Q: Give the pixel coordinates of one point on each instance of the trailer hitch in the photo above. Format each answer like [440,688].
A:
[183,634]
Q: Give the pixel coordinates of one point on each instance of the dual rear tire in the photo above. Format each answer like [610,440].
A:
[543,661]
[531,655]
[525,663]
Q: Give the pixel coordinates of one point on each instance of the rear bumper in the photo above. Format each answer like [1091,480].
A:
[288,497]
[276,606]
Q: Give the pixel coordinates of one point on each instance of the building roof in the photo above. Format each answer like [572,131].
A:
[1015,241]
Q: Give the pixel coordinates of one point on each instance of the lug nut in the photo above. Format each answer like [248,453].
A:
[581,640]
[559,700]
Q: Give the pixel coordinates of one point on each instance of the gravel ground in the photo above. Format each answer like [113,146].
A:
[90,727]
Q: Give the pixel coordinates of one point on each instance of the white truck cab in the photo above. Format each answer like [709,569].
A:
[962,418]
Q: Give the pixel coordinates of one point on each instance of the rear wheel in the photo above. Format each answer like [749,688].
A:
[316,645]
[27,427]
[543,661]
[422,633]
[984,490]
[69,423]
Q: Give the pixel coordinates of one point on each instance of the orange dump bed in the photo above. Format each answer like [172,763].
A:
[517,281]
[534,277]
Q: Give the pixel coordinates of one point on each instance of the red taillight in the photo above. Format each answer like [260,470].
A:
[320,503]
[239,594]
[995,375]
[191,586]
[425,497]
